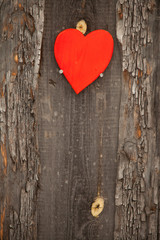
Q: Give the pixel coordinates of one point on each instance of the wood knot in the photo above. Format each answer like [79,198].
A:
[81,26]
[16,58]
[97,206]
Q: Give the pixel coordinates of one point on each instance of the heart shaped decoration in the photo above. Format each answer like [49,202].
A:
[83,58]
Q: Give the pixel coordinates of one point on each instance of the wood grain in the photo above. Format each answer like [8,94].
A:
[76,131]
[61,148]
[20,44]
[137,188]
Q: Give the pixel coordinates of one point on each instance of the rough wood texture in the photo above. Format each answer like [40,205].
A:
[137,193]
[77,133]
[71,141]
[21,26]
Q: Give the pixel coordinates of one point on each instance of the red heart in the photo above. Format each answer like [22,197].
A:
[83,58]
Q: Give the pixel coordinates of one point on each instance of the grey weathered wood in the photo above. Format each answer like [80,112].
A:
[71,141]
[21,26]
[75,130]
[137,188]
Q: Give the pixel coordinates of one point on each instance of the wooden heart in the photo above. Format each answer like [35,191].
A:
[83,58]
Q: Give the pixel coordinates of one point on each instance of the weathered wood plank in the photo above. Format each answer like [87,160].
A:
[137,180]
[76,131]
[21,26]
[78,134]
[157,98]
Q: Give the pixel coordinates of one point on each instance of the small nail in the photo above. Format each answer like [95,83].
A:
[101,75]
[60,71]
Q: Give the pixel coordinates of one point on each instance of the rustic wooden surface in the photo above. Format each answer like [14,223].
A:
[76,131]
[137,188]
[60,150]
[21,26]
[157,100]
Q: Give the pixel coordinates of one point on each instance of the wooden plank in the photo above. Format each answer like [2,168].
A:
[75,131]
[137,188]
[21,27]
[79,135]
[157,98]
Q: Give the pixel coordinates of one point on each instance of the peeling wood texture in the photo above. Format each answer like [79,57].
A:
[137,188]
[21,27]
[61,154]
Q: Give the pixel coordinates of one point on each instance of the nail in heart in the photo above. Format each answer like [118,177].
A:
[83,58]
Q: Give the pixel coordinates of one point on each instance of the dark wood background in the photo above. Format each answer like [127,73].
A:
[75,130]
[59,149]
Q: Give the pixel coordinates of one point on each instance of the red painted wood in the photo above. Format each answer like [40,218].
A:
[83,58]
